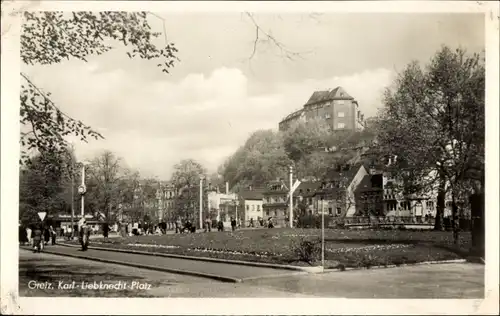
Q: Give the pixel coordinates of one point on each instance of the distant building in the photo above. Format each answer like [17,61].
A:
[275,202]
[251,201]
[336,196]
[336,107]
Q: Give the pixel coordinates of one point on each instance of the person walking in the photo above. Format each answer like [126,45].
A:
[37,238]
[46,235]
[233,224]
[53,234]
[220,226]
[208,224]
[28,234]
[105,230]
[23,236]
[178,224]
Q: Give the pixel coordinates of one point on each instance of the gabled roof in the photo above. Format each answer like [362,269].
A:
[347,174]
[370,183]
[336,94]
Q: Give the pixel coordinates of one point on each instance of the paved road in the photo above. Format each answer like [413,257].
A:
[214,268]
[44,267]
[460,281]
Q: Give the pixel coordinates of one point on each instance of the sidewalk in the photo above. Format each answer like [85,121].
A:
[225,272]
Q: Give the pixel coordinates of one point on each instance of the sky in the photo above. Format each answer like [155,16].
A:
[216,96]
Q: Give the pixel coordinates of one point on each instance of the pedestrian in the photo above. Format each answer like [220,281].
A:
[53,234]
[23,235]
[46,235]
[270,222]
[220,226]
[178,224]
[105,230]
[28,234]
[251,222]
[208,224]
[233,224]
[37,238]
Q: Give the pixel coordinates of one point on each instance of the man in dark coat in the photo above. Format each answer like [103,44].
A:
[46,235]
[105,230]
[233,224]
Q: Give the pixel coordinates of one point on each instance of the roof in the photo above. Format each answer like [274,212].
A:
[303,188]
[334,94]
[293,114]
[371,183]
[254,194]
[348,174]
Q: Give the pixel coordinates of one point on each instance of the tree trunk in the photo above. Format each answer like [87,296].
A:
[438,225]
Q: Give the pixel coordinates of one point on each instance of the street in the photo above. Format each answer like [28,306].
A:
[423,281]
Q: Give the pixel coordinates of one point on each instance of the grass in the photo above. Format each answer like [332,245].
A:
[343,248]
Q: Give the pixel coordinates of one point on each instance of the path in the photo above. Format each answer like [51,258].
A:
[224,270]
[44,267]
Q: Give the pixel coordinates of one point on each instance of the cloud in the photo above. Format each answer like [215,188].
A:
[154,124]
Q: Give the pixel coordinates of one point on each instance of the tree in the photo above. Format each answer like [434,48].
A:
[304,138]
[103,183]
[433,121]
[261,159]
[50,37]
[44,186]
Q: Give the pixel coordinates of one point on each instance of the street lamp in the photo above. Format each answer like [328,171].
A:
[201,200]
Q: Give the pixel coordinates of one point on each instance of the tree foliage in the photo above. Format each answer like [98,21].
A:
[433,120]
[262,158]
[44,186]
[52,37]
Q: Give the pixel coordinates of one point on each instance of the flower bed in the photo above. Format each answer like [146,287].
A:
[343,248]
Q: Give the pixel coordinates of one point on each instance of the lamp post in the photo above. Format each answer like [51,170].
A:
[82,189]
[291,197]
[201,201]
[322,234]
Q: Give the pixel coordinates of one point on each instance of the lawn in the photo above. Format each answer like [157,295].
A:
[343,248]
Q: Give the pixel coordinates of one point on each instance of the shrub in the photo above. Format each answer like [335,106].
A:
[307,250]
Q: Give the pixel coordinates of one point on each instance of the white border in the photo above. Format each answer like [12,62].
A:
[10,155]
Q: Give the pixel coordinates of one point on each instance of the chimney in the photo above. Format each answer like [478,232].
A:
[227,187]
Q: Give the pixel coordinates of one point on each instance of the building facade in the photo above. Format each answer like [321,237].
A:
[275,202]
[339,109]
[251,201]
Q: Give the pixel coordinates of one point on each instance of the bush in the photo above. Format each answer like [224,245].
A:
[307,251]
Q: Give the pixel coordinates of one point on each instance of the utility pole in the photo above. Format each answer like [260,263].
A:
[201,202]
[291,197]
[72,200]
[322,235]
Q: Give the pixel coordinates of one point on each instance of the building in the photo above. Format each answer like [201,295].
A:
[370,196]
[222,206]
[275,202]
[251,201]
[336,106]
[336,195]
[305,197]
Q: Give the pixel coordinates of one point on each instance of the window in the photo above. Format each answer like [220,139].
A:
[339,210]
[253,208]
[340,125]
[429,205]
[341,114]
[248,207]
[327,116]
[258,208]
[267,212]
[340,102]
[330,211]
